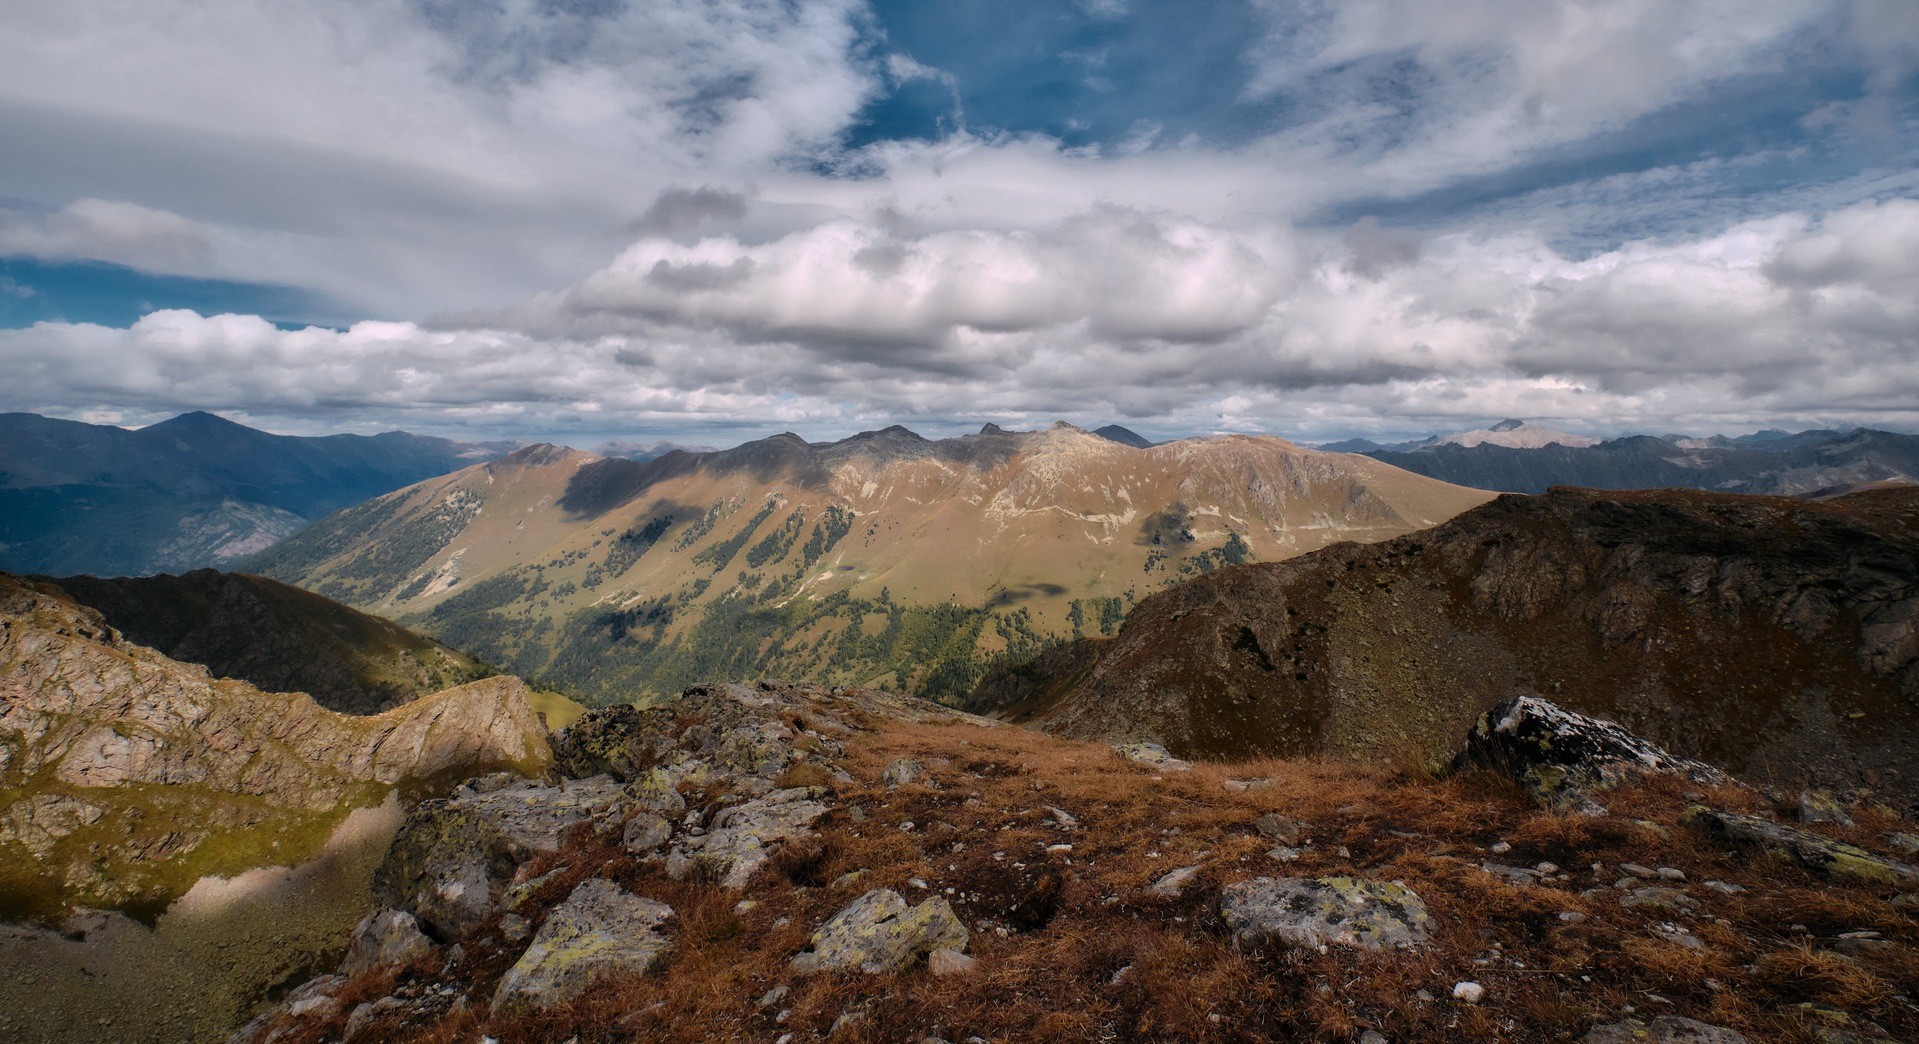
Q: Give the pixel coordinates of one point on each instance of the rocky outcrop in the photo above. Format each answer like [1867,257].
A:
[1307,914]
[130,759]
[455,857]
[745,836]
[1820,855]
[1776,639]
[880,933]
[1561,757]
[385,937]
[601,930]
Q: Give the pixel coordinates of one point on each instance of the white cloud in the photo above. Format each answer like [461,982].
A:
[1111,314]
[108,230]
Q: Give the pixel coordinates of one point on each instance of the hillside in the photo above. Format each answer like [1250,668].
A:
[1770,463]
[126,776]
[276,637]
[884,558]
[1775,637]
[189,492]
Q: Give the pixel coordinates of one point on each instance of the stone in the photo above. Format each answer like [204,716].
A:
[1821,806]
[1152,755]
[1308,913]
[1653,897]
[1905,844]
[622,742]
[1171,885]
[450,861]
[601,930]
[744,837]
[646,833]
[901,772]
[1644,873]
[946,961]
[880,933]
[1468,992]
[383,938]
[1279,828]
[1821,855]
[1666,1029]
[1560,757]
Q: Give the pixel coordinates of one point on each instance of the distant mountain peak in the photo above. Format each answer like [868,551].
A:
[1508,425]
[1123,436]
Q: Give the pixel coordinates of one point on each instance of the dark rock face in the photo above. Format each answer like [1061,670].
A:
[621,742]
[1775,638]
[1821,855]
[1561,757]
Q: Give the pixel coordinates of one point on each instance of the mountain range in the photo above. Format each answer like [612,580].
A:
[883,558]
[1772,636]
[1518,457]
[193,491]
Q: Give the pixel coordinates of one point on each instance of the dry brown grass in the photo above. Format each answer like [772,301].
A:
[1071,948]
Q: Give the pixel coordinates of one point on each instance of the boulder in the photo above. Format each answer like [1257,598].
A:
[743,837]
[1152,755]
[1821,855]
[384,937]
[880,933]
[622,742]
[1279,828]
[646,833]
[1666,1029]
[902,772]
[1308,913]
[945,961]
[1172,885]
[601,930]
[451,859]
[1561,757]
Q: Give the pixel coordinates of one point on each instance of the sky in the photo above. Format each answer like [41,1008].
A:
[712,220]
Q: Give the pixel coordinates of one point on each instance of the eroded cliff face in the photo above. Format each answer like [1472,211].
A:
[1776,637]
[125,775]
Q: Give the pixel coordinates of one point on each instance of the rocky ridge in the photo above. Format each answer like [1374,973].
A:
[948,878]
[1776,639]
[120,767]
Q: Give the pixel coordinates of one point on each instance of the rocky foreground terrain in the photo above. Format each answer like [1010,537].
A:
[793,863]
[1776,638]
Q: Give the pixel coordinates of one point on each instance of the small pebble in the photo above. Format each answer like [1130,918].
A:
[1670,873]
[1501,848]
[1469,992]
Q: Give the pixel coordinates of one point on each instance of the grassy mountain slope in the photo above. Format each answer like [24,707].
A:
[1776,637]
[881,559]
[276,637]
[193,491]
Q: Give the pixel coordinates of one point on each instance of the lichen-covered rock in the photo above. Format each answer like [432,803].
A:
[879,933]
[600,930]
[902,772]
[1151,755]
[1822,806]
[745,836]
[1821,855]
[1561,757]
[382,938]
[1308,913]
[622,742]
[452,857]
[1666,1029]
[646,833]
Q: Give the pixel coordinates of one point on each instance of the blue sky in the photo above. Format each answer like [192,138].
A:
[697,219]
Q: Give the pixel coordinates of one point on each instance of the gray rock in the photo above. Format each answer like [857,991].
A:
[1653,897]
[1821,806]
[1821,855]
[1307,913]
[1171,885]
[745,836]
[1561,757]
[382,938]
[646,833]
[1280,828]
[1906,844]
[451,859]
[1152,755]
[879,933]
[601,930]
[1666,1029]
[946,961]
[360,1024]
[902,772]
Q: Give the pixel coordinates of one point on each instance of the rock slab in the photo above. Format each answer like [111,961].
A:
[600,930]
[1308,913]
[880,933]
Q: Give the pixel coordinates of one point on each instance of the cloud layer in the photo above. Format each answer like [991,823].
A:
[1613,214]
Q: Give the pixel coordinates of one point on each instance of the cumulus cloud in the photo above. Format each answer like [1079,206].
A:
[1795,317]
